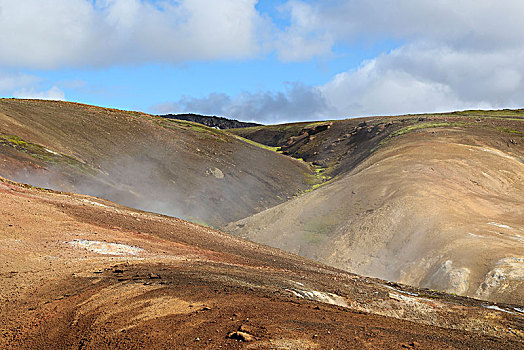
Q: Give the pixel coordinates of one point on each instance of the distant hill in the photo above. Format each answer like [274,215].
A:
[211,121]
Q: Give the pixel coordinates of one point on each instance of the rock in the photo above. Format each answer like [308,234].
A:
[246,328]
[215,172]
[315,129]
[154,276]
[243,336]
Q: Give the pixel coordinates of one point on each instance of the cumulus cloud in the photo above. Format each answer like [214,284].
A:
[464,25]
[297,102]
[74,33]
[23,85]
[455,54]
[418,78]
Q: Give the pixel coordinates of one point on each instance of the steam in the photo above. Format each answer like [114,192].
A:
[206,187]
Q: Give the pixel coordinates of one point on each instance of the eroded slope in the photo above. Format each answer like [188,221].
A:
[437,202]
[82,272]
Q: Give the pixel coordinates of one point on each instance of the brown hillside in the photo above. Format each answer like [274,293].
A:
[82,272]
[168,166]
[433,201]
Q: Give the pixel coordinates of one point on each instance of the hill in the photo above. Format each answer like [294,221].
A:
[168,166]
[82,272]
[433,201]
[211,121]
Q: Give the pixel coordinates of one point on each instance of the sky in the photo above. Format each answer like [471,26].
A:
[268,61]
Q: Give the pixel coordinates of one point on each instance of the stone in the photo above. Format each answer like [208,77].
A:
[242,336]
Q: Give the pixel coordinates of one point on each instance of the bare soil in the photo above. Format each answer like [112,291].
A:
[190,286]
[434,201]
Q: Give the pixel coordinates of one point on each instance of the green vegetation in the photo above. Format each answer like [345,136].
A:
[312,237]
[508,130]
[42,153]
[319,178]
[203,132]
[198,221]
[254,143]
[248,129]
[318,227]
[418,126]
[502,113]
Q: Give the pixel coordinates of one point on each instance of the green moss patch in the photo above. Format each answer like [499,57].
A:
[419,126]
[42,153]
[201,131]
[254,143]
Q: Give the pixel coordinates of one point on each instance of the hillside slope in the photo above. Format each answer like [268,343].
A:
[167,166]
[434,201]
[82,272]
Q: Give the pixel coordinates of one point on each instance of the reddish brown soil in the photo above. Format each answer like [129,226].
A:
[192,286]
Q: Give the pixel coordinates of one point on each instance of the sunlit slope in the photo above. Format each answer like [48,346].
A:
[438,203]
[82,272]
[172,167]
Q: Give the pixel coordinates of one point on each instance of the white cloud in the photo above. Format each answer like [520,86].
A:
[465,25]
[304,37]
[23,85]
[53,93]
[58,33]
[456,54]
[418,78]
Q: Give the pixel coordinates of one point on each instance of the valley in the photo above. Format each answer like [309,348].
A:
[380,232]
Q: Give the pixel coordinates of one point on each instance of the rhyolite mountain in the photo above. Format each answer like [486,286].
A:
[434,201]
[82,272]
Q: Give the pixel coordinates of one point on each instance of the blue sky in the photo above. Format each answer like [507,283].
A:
[269,61]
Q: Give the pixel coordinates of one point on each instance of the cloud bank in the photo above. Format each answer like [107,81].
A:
[96,33]
[299,101]
[452,54]
[455,55]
